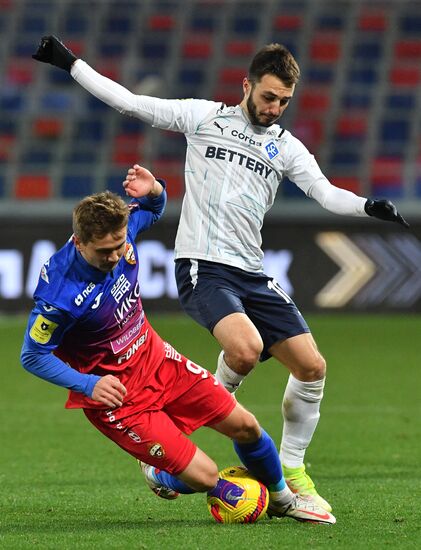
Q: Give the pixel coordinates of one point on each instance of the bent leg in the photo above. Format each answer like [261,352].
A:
[257,451]
[241,347]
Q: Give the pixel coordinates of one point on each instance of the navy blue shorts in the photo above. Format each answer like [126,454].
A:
[210,291]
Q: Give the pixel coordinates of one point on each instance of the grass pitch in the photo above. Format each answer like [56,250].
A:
[64,485]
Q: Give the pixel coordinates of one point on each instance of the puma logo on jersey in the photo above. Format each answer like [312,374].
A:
[222,128]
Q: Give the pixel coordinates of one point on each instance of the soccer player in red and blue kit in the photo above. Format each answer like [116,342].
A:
[88,332]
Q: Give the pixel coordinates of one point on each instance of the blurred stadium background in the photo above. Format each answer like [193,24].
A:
[357,108]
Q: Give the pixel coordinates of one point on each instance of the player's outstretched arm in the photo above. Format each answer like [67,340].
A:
[109,390]
[140,182]
[384,210]
[52,50]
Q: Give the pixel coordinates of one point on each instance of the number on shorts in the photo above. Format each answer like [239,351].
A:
[196,369]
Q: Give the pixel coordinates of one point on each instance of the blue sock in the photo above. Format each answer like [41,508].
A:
[172,482]
[262,459]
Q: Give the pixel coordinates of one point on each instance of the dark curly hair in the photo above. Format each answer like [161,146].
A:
[277,60]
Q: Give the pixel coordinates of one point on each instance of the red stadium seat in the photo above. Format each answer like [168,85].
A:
[161,22]
[127,149]
[109,69]
[317,100]
[325,48]
[232,75]
[310,131]
[7,144]
[173,174]
[351,125]
[28,186]
[288,22]
[409,75]
[386,170]
[47,127]
[19,72]
[77,47]
[198,47]
[350,183]
[408,49]
[372,20]
[239,48]
[230,95]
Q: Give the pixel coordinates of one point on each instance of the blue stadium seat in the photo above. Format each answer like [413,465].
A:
[57,101]
[395,130]
[154,50]
[95,105]
[357,99]
[8,124]
[89,129]
[245,25]
[129,125]
[118,24]
[41,156]
[331,22]
[12,102]
[193,76]
[363,75]
[201,23]
[345,158]
[56,76]
[35,24]
[114,183]
[320,75]
[76,24]
[82,156]
[411,24]
[401,101]
[114,48]
[368,51]
[388,191]
[290,190]
[75,186]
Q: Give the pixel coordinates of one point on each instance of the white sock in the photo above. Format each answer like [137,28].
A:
[301,411]
[226,376]
[283,497]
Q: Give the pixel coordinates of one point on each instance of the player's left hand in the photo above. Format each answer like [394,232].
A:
[52,50]
[384,210]
[140,182]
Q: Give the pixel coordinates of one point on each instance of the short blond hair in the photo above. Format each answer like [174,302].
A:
[98,215]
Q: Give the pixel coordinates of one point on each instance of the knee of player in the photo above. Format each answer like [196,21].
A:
[248,429]
[316,369]
[245,356]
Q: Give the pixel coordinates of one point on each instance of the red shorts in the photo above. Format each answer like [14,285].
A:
[179,398]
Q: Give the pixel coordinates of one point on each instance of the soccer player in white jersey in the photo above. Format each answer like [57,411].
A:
[236,158]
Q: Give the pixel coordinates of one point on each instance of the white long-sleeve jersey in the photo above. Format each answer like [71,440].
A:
[232,171]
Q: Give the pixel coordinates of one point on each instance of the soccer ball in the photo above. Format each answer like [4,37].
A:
[238,497]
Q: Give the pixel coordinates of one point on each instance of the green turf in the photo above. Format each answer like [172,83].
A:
[63,485]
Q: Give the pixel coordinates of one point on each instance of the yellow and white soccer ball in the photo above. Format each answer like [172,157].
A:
[238,497]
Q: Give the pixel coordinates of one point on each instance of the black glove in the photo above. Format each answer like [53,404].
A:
[384,210]
[52,50]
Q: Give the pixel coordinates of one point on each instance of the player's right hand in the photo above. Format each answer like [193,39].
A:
[109,391]
[52,50]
